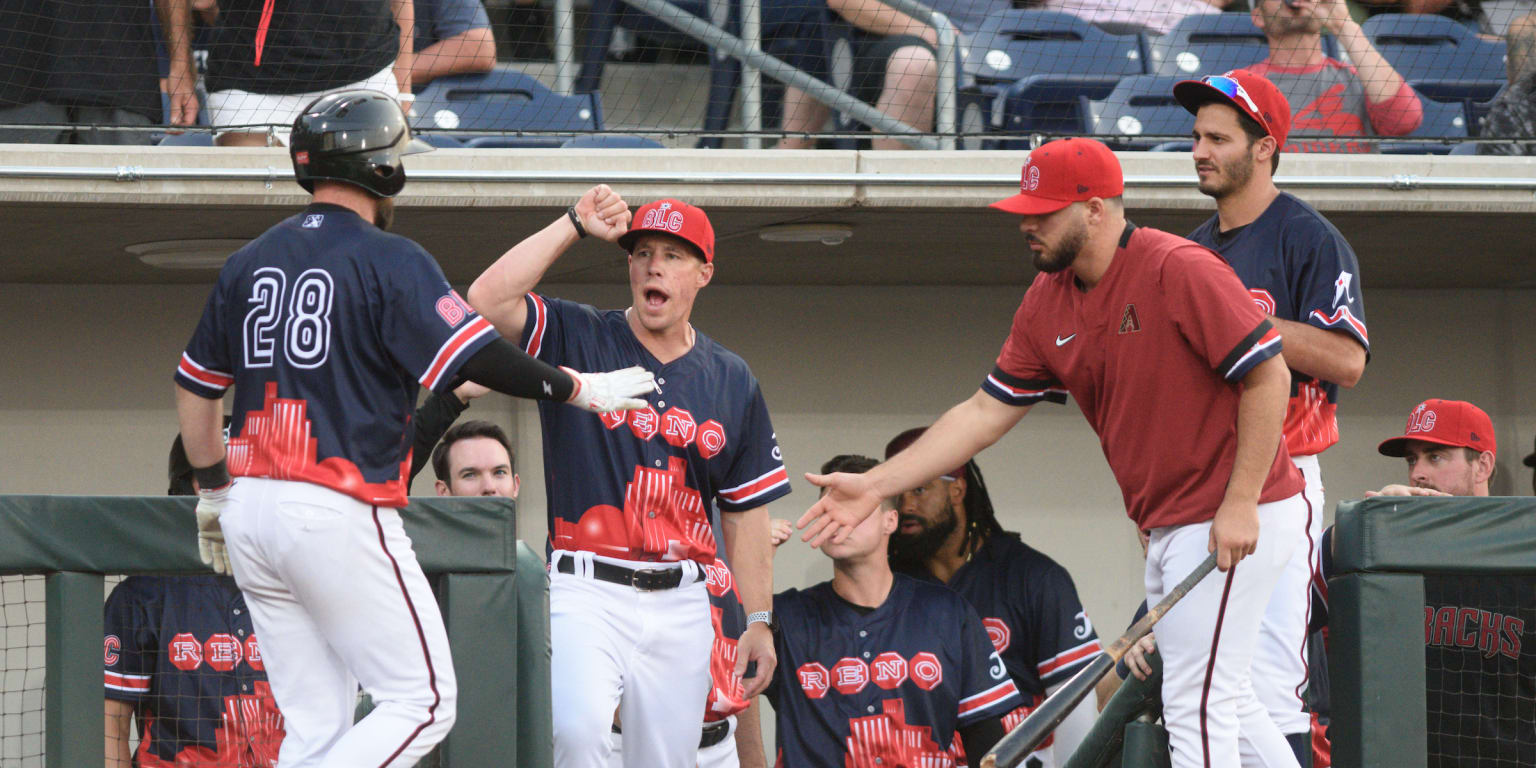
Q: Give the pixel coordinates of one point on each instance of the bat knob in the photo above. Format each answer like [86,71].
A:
[990,761]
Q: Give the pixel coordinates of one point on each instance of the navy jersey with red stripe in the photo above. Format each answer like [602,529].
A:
[649,484]
[885,688]
[1153,354]
[1297,266]
[181,650]
[1031,612]
[326,326]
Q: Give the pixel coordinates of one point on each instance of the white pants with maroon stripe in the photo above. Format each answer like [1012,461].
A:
[644,653]
[1207,641]
[1280,660]
[337,598]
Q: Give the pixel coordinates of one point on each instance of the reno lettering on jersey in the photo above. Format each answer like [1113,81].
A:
[649,484]
[341,324]
[883,689]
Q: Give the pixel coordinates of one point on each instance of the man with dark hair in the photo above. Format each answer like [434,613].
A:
[880,669]
[475,459]
[1304,276]
[949,534]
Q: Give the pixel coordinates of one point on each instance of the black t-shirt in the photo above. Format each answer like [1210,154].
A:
[309,46]
[26,32]
[95,53]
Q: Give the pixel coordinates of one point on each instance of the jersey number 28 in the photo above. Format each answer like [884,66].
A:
[300,321]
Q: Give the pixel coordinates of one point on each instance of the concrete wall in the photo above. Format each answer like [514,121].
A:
[85,400]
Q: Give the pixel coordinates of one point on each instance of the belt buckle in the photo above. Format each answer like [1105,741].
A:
[649,579]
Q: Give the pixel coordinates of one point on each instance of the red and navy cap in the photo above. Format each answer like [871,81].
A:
[1250,93]
[1062,172]
[1444,422]
[676,218]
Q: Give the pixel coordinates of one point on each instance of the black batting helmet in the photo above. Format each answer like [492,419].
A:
[357,137]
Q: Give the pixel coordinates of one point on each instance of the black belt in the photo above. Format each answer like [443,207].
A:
[713,733]
[643,579]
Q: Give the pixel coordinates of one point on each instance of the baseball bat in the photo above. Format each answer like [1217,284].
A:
[1019,742]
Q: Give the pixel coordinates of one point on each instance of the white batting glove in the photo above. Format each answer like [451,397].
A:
[210,536]
[619,390]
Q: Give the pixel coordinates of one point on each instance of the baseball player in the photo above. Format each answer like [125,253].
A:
[1181,377]
[326,325]
[949,534]
[636,499]
[475,459]
[880,670]
[730,736]
[182,658]
[1306,279]
[1479,631]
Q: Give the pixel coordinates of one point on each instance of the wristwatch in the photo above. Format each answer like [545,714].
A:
[766,617]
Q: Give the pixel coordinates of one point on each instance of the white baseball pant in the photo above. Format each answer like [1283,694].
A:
[337,598]
[645,653]
[1207,641]
[719,755]
[1280,659]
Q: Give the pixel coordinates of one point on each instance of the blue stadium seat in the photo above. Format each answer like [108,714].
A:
[1477,112]
[441,141]
[724,71]
[199,139]
[504,99]
[1142,105]
[611,141]
[1014,44]
[1207,44]
[1050,104]
[1441,58]
[1441,120]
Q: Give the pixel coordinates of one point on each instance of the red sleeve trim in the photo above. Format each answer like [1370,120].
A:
[451,348]
[203,375]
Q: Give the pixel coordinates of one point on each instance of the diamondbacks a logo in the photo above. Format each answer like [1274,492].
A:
[1129,322]
[663,217]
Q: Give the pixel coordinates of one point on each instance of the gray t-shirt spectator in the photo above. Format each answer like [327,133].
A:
[1329,101]
[438,20]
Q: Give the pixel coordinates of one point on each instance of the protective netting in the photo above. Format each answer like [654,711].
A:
[1480,670]
[21,671]
[523,73]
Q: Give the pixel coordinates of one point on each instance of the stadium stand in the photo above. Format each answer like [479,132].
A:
[504,99]
[1140,105]
[1441,59]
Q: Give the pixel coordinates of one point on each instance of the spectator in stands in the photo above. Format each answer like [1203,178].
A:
[1490,17]
[1131,16]
[267,61]
[475,459]
[452,37]
[1327,96]
[91,62]
[1513,113]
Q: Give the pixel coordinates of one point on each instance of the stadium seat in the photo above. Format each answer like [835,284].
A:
[504,99]
[1050,104]
[1477,112]
[441,141]
[1206,44]
[1014,44]
[199,139]
[1142,105]
[611,141]
[1441,120]
[724,71]
[1441,58]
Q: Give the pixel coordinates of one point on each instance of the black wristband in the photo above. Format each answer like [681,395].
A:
[209,478]
[576,222]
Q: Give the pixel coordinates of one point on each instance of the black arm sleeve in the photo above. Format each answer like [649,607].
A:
[432,419]
[503,367]
[980,737]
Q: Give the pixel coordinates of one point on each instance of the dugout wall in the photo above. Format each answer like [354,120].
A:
[1432,650]
[493,591]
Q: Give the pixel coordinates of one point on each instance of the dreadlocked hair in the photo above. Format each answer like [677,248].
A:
[980,518]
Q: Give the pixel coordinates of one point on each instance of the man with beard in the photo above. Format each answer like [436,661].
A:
[1332,98]
[948,534]
[1161,345]
[1302,274]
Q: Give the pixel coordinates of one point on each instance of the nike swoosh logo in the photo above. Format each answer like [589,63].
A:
[1060,341]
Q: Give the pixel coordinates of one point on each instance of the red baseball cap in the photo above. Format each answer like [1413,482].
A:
[900,442]
[1062,172]
[1444,422]
[676,218]
[1249,93]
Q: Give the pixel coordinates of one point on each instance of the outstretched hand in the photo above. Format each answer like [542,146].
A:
[846,502]
[604,213]
[1404,490]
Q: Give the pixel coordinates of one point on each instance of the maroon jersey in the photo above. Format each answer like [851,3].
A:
[1154,355]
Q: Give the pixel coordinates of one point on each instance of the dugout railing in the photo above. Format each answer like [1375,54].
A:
[493,591]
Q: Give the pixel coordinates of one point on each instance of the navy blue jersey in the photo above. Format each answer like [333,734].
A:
[728,618]
[649,484]
[1030,610]
[1297,266]
[884,689]
[326,326]
[181,650]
